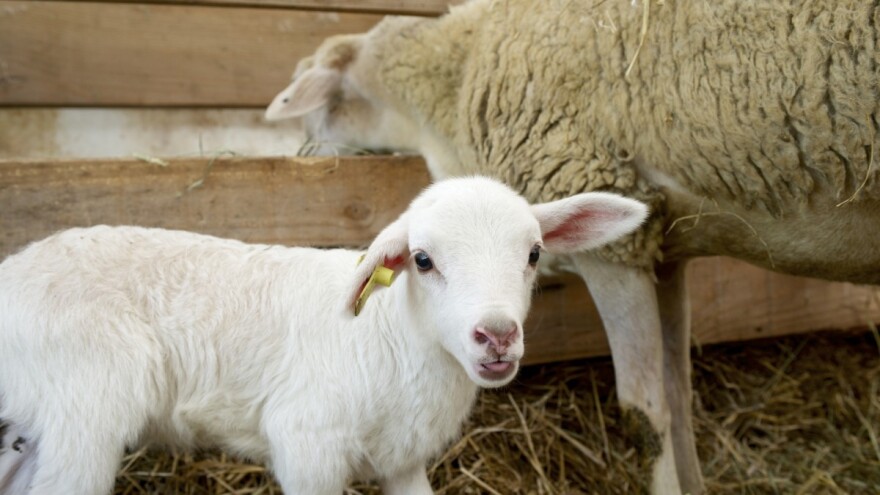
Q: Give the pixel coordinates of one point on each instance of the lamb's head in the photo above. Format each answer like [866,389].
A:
[466,252]
[342,105]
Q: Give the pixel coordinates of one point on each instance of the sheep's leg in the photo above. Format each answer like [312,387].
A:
[307,461]
[676,319]
[627,300]
[74,458]
[410,482]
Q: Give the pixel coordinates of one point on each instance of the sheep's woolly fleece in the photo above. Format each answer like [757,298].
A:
[762,103]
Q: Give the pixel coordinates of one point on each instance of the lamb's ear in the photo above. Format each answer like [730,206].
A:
[390,249]
[309,91]
[587,221]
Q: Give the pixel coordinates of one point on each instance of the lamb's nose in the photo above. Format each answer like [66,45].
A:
[500,337]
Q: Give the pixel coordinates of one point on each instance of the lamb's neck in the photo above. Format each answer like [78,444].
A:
[414,395]
[403,349]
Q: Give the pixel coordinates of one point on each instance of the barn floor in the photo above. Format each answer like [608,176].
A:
[797,415]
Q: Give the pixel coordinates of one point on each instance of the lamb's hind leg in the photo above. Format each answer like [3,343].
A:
[85,421]
[78,457]
[675,316]
[627,301]
[18,460]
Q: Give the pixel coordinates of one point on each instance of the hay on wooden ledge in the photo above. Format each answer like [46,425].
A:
[798,415]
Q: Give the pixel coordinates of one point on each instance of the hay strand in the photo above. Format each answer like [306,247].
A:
[867,172]
[643,34]
[697,216]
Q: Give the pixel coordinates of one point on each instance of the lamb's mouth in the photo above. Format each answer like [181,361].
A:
[496,370]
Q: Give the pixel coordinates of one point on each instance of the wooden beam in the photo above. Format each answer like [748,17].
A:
[390,7]
[301,201]
[110,54]
[730,301]
[346,201]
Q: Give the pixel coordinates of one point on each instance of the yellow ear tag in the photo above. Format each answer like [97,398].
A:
[381,275]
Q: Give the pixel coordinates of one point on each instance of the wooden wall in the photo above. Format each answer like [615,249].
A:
[168,58]
[113,54]
[346,201]
[384,7]
[223,53]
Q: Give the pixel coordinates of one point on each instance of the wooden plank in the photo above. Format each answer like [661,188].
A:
[393,7]
[730,301]
[105,54]
[303,201]
[346,201]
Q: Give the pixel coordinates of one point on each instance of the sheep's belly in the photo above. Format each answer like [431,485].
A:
[823,238]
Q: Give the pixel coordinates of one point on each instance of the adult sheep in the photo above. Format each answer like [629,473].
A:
[117,336]
[750,127]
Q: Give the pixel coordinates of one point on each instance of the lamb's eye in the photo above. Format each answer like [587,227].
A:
[534,255]
[423,262]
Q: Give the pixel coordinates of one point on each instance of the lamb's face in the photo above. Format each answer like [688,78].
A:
[472,267]
[469,247]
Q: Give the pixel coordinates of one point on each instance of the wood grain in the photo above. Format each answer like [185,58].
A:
[106,54]
[394,7]
[730,301]
[346,201]
[303,201]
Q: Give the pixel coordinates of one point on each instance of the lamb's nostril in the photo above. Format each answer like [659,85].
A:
[499,339]
[480,337]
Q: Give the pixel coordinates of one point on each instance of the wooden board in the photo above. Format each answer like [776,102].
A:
[303,201]
[346,201]
[730,301]
[394,7]
[106,54]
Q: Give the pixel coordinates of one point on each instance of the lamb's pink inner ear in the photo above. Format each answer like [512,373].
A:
[390,249]
[573,229]
[394,263]
[587,221]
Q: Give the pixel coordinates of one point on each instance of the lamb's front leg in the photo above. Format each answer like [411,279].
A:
[627,301]
[675,316]
[412,481]
[308,459]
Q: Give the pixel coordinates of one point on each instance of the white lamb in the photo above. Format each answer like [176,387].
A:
[117,336]
[752,129]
